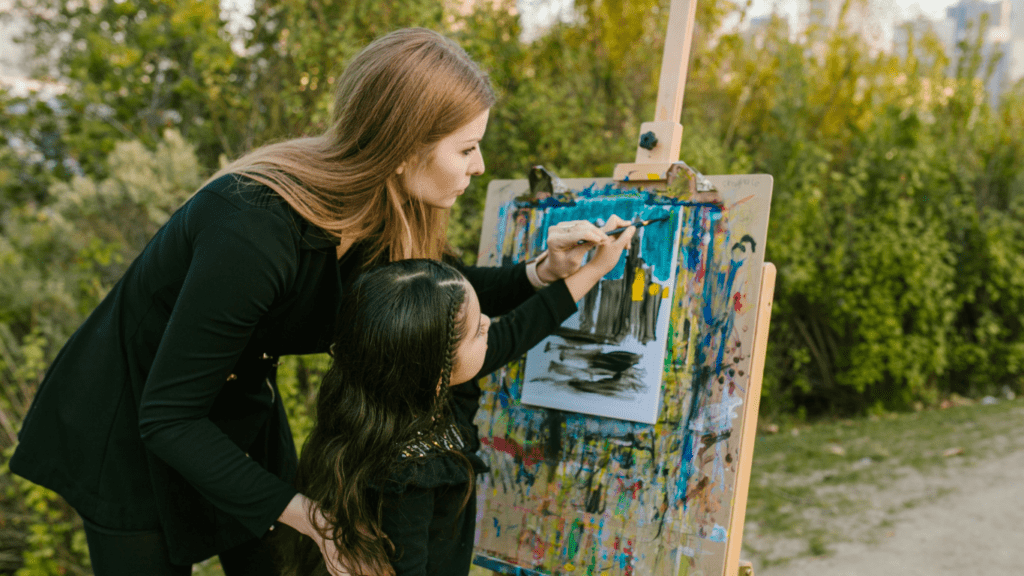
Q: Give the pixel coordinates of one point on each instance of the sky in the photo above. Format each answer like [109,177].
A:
[889,12]
[899,9]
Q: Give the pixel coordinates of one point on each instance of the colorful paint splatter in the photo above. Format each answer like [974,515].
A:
[571,493]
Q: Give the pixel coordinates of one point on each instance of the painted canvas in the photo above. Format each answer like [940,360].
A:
[607,358]
[576,493]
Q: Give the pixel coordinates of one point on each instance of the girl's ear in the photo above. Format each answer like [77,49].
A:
[401,167]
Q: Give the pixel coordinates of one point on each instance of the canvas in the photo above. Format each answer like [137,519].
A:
[606,359]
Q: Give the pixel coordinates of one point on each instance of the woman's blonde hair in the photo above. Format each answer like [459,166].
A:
[396,99]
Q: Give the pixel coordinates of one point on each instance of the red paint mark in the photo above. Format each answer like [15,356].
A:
[628,552]
[737,302]
[511,447]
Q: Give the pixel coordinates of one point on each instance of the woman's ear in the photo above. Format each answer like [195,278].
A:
[401,168]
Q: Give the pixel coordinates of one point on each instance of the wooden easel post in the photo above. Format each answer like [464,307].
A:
[654,157]
[657,150]
[522,520]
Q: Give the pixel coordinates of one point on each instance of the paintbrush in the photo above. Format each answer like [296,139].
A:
[618,231]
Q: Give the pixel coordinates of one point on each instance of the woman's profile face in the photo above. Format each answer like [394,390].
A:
[444,176]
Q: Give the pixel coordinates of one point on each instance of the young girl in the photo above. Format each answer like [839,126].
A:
[389,462]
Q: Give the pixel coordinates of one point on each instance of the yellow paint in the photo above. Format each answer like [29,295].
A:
[653,176]
[664,293]
[638,286]
[653,289]
[570,567]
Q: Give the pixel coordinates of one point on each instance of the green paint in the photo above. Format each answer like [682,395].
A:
[575,532]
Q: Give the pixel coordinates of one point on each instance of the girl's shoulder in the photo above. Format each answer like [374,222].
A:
[433,461]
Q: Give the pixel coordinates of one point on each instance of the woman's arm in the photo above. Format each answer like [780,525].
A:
[513,334]
[297,515]
[238,263]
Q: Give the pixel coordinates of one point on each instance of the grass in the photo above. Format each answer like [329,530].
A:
[816,485]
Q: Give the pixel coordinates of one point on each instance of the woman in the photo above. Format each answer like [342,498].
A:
[159,421]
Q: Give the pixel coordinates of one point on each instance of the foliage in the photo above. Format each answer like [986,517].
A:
[133,68]
[57,261]
[897,222]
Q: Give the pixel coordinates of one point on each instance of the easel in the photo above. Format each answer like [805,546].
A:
[657,168]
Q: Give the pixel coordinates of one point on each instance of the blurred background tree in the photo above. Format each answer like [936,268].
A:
[897,222]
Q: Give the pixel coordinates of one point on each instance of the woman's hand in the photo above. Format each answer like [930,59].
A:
[606,257]
[297,515]
[565,253]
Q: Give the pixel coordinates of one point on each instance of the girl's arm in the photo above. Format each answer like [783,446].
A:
[513,334]
[516,332]
[499,288]
[503,288]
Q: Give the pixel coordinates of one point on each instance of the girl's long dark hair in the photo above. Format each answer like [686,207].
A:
[397,333]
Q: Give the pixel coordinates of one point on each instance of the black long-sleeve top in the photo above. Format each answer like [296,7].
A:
[423,512]
[161,410]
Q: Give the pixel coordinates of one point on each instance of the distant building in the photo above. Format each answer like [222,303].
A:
[761,26]
[12,55]
[918,32]
[1001,27]
[864,19]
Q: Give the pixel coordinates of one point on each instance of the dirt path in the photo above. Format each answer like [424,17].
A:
[975,528]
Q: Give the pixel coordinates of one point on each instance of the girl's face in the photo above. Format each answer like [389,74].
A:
[444,176]
[469,355]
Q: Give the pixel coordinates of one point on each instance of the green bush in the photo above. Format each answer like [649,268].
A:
[57,261]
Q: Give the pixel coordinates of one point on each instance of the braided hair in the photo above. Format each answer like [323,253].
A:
[394,351]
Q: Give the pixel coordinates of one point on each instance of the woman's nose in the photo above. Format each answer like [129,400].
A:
[476,167]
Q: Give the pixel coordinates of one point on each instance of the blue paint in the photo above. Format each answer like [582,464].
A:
[656,238]
[734,267]
[502,567]
[718,534]
[690,244]
[502,230]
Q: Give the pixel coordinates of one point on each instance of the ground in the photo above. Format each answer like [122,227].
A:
[975,526]
[949,511]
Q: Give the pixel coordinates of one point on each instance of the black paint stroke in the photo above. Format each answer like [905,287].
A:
[608,314]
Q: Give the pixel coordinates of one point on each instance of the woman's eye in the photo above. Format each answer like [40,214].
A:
[469,151]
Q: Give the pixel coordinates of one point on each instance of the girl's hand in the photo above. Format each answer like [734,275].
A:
[606,257]
[565,253]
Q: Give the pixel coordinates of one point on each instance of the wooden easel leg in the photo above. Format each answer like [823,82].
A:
[748,430]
